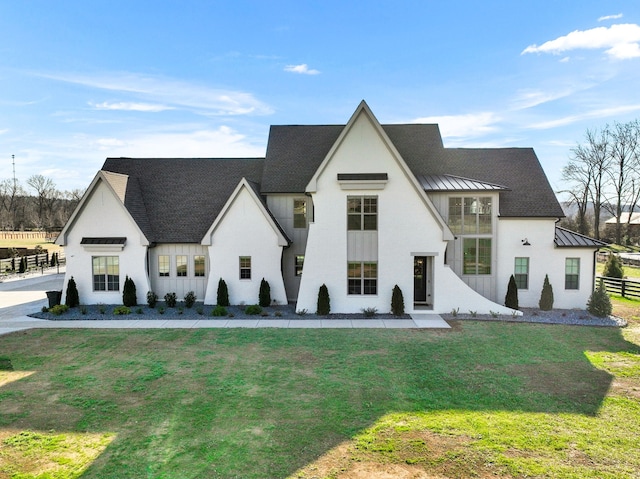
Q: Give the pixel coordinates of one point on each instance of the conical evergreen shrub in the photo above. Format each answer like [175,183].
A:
[72,299]
[324,302]
[397,301]
[599,303]
[546,297]
[129,297]
[511,299]
[264,296]
[613,267]
[223,293]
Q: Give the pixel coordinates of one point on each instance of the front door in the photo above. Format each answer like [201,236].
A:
[419,279]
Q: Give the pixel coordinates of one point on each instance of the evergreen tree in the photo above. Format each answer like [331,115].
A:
[324,302]
[72,299]
[613,267]
[599,303]
[397,301]
[511,299]
[264,296]
[546,297]
[129,296]
[223,293]
[23,265]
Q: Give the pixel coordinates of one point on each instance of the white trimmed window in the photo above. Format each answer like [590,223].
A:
[572,273]
[198,266]
[362,213]
[181,265]
[299,213]
[299,264]
[245,267]
[362,278]
[477,255]
[106,273]
[521,273]
[163,265]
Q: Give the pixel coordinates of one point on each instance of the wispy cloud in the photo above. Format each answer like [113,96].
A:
[129,106]
[620,41]
[302,69]
[462,126]
[170,93]
[530,98]
[610,17]
[599,114]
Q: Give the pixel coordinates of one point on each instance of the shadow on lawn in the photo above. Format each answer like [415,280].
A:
[264,403]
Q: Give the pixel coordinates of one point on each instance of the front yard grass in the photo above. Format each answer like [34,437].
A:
[484,399]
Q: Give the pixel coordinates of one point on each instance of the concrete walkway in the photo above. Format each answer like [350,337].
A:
[24,296]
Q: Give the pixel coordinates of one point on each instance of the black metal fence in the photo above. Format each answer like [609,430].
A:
[627,288]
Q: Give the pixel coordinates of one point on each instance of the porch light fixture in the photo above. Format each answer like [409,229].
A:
[525,242]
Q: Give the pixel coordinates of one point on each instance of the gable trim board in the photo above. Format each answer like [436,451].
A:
[373,205]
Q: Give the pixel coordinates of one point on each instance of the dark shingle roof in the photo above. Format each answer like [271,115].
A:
[568,238]
[175,200]
[295,152]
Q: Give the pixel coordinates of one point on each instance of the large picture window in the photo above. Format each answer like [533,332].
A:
[362,213]
[477,255]
[362,278]
[106,273]
[470,215]
[572,273]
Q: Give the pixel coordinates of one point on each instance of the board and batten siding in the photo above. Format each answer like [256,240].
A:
[281,207]
[180,285]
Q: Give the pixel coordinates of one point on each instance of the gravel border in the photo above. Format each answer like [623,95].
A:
[143,312]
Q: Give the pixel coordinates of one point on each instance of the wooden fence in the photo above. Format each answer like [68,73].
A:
[627,288]
[34,262]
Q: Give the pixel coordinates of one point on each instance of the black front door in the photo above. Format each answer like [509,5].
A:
[420,279]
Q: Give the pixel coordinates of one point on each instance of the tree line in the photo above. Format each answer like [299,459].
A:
[38,206]
[603,179]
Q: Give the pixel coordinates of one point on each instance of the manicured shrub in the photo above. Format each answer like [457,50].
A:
[546,297]
[397,301]
[613,267]
[223,293]
[324,302]
[152,299]
[219,311]
[121,310]
[171,299]
[599,303]
[23,265]
[369,312]
[58,309]
[190,299]
[72,299]
[264,296]
[511,299]
[129,296]
[253,309]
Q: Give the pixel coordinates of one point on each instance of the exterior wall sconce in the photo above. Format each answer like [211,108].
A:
[525,242]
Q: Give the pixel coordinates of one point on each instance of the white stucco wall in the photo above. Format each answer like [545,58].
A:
[544,258]
[244,231]
[103,215]
[406,228]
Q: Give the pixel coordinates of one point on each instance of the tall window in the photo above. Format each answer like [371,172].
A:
[470,215]
[198,266]
[362,213]
[362,278]
[477,255]
[245,267]
[106,273]
[572,273]
[299,264]
[521,273]
[181,265]
[163,265]
[300,213]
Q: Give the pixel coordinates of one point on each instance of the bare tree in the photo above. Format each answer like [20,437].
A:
[46,195]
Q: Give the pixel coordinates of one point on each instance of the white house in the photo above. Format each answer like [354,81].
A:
[359,207]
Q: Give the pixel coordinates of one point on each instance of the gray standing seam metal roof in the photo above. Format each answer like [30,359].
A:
[175,200]
[567,238]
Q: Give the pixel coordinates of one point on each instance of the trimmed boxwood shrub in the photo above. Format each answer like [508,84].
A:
[72,299]
[129,296]
[264,296]
[223,293]
[219,311]
[324,302]
[546,297]
[121,310]
[397,301]
[511,299]
[253,309]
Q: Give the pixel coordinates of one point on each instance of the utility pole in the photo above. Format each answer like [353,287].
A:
[13,163]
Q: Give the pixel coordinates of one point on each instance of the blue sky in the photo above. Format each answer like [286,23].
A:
[84,80]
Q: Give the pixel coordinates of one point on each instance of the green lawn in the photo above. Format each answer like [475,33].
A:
[483,399]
